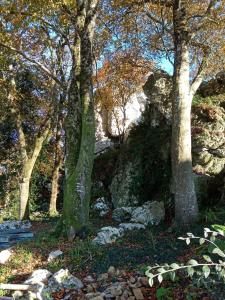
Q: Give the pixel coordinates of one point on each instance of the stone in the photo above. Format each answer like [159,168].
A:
[4,256]
[107,235]
[111,271]
[10,225]
[54,254]
[38,276]
[103,277]
[138,294]
[144,281]
[131,226]
[65,279]
[101,207]
[150,213]
[122,214]
[89,279]
[121,185]
[91,296]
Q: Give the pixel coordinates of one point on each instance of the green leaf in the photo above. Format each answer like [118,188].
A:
[206,271]
[175,266]
[201,241]
[188,241]
[160,278]
[219,252]
[151,282]
[190,271]
[193,262]
[172,275]
[207,258]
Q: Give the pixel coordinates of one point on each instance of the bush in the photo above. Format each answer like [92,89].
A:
[214,263]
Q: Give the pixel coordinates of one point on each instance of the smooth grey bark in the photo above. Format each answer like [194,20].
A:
[186,206]
[57,164]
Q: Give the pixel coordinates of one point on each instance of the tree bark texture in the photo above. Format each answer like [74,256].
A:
[186,207]
[80,132]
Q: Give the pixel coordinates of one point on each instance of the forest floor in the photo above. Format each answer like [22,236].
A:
[132,254]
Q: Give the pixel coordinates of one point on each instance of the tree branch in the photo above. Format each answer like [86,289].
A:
[36,63]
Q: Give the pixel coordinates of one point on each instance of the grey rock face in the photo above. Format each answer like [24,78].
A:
[122,214]
[101,207]
[150,213]
[121,185]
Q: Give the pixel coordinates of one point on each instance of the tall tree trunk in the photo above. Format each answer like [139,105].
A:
[57,164]
[27,169]
[80,143]
[186,207]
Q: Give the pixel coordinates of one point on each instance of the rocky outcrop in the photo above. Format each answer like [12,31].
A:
[120,188]
[152,212]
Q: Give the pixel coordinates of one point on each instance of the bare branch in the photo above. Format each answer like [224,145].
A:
[36,63]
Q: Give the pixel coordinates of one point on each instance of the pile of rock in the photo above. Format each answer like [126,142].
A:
[134,218]
[115,284]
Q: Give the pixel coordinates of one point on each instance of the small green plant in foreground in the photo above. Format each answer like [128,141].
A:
[193,266]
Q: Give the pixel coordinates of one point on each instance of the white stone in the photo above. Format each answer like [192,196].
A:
[38,276]
[4,256]
[131,226]
[54,254]
[108,235]
[150,213]
[64,278]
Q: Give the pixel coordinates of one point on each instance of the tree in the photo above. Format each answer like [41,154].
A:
[189,35]
[28,154]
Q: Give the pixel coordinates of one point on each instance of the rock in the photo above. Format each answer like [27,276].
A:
[4,256]
[122,214]
[101,207]
[65,279]
[150,213]
[121,186]
[144,281]
[138,294]
[131,226]
[54,254]
[103,277]
[38,276]
[96,296]
[107,235]
[111,271]
[10,225]
[89,279]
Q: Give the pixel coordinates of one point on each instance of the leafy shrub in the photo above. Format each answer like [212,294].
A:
[208,265]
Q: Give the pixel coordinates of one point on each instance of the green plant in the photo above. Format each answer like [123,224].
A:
[192,267]
[164,293]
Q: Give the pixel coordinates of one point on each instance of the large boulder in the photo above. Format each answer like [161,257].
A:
[121,186]
[122,214]
[101,207]
[107,235]
[150,213]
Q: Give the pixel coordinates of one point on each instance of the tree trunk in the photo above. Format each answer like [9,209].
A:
[186,207]
[24,189]
[55,173]
[27,169]
[80,142]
